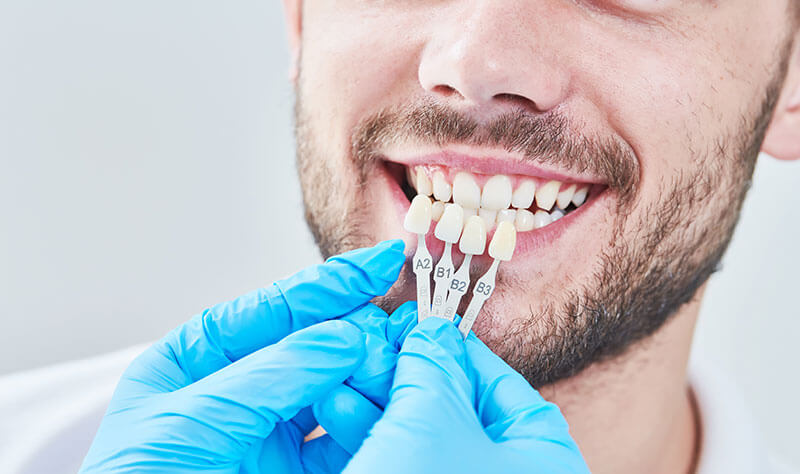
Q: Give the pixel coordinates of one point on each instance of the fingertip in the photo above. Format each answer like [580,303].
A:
[347,416]
[396,245]
[435,331]
[401,322]
[379,265]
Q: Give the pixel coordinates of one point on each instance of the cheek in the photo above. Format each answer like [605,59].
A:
[355,64]
[674,97]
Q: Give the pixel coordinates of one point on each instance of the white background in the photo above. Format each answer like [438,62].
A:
[146,172]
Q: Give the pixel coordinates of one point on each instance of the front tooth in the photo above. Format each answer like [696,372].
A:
[524,221]
[441,188]
[466,191]
[546,195]
[436,210]
[580,196]
[496,193]
[503,242]
[488,216]
[507,215]
[564,197]
[556,214]
[424,185]
[541,219]
[523,195]
[469,213]
[473,239]
[418,218]
[448,229]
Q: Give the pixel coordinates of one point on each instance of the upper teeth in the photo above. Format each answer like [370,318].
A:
[498,201]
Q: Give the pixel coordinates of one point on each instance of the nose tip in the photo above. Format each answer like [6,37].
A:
[488,61]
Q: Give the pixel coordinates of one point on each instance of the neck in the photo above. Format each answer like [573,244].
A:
[635,413]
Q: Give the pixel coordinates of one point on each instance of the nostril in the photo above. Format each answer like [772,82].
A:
[518,101]
[444,90]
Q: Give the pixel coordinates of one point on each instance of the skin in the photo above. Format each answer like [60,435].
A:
[683,85]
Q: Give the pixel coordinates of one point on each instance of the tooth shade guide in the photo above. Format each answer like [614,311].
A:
[442,275]
[473,237]
[423,265]
[481,292]
[418,217]
[457,288]
[503,242]
[418,221]
[450,225]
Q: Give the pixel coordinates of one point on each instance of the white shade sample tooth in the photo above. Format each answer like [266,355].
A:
[580,196]
[556,214]
[546,195]
[503,242]
[473,239]
[489,217]
[437,208]
[565,196]
[469,213]
[424,185]
[496,194]
[418,217]
[524,221]
[507,215]
[449,227]
[466,191]
[541,219]
[441,188]
[522,198]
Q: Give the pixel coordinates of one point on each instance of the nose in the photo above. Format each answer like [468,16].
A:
[484,52]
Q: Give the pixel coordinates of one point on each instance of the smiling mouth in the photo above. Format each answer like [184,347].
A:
[528,201]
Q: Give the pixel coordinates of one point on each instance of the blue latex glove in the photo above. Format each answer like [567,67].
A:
[454,406]
[348,411]
[230,390]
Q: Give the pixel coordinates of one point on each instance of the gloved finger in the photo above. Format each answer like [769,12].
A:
[305,421]
[323,456]
[431,389]
[347,416]
[508,406]
[241,403]
[383,337]
[231,330]
[400,324]
[430,405]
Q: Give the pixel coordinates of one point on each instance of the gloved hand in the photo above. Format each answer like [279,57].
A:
[230,390]
[454,406]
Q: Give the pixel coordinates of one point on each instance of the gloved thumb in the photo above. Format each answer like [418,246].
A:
[430,403]
[511,409]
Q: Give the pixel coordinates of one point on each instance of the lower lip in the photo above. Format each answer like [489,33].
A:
[527,242]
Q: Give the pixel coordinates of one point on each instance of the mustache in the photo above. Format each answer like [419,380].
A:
[539,138]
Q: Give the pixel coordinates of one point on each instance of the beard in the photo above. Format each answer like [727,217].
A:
[654,262]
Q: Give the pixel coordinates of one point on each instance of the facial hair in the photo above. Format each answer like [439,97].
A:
[651,266]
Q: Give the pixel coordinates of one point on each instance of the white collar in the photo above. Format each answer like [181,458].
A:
[731,442]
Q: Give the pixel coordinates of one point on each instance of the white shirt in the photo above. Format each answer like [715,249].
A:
[48,418]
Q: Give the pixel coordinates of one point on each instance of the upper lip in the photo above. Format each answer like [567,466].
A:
[494,163]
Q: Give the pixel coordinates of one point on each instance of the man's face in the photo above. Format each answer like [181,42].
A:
[656,107]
